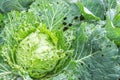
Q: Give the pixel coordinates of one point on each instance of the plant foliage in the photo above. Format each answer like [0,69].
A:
[59,40]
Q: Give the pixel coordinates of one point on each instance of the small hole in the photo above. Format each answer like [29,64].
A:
[82,64]
[26,10]
[66,54]
[2,21]
[76,17]
[65,28]
[79,78]
[38,4]
[89,65]
[70,24]
[82,17]
[64,18]
[104,17]
[57,2]
[11,17]
[64,23]
[102,55]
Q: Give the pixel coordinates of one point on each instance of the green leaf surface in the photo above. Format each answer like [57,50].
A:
[86,13]
[59,40]
[94,53]
[50,12]
[113,32]
[116,20]
[9,5]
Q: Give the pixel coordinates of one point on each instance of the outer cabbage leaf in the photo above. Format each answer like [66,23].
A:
[50,12]
[86,13]
[94,53]
[26,3]
[99,7]
[8,5]
[95,57]
[113,32]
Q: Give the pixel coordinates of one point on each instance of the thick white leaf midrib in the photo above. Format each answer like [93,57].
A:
[86,57]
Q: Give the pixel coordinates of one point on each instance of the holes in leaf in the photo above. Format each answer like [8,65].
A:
[57,2]
[1,21]
[102,55]
[81,64]
[64,23]
[11,17]
[79,79]
[66,54]
[104,17]
[65,28]
[82,17]
[70,24]
[64,18]
[76,17]
[38,4]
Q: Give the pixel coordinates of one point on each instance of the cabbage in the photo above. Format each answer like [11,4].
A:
[31,47]
[59,40]
[9,5]
[38,54]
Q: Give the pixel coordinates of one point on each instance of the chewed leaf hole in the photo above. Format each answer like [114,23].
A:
[82,64]
[70,24]
[65,28]
[76,17]
[79,78]
[57,2]
[64,23]
[89,65]
[64,18]
[38,4]
[82,17]
[102,55]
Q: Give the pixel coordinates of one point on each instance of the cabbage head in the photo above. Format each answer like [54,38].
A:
[38,53]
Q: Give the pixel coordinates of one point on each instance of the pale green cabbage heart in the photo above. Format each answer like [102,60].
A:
[38,54]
